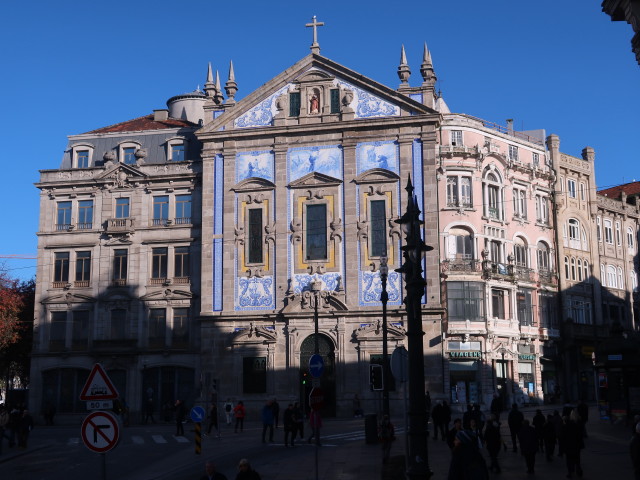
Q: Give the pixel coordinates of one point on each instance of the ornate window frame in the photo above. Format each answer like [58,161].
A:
[82,147]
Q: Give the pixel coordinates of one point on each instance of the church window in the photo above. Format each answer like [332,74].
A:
[316,232]
[181,263]
[157,327]
[378,228]
[177,152]
[63,214]
[61,267]
[294,104]
[129,155]
[159,263]
[255,243]
[254,375]
[82,159]
[335,100]
[83,269]
[122,208]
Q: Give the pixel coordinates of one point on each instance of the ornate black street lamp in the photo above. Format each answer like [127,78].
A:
[384,298]
[413,250]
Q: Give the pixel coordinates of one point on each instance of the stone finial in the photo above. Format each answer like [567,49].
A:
[218,98]
[404,72]
[231,87]
[588,154]
[426,69]
[209,86]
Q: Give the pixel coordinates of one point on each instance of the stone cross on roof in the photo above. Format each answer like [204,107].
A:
[315,46]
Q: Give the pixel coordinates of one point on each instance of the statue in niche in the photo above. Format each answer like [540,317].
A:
[314,104]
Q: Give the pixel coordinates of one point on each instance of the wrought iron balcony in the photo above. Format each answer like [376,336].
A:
[461,266]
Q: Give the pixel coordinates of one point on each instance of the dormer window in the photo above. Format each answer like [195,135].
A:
[81,156]
[129,155]
[176,149]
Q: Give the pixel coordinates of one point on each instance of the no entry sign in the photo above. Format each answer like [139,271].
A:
[100,432]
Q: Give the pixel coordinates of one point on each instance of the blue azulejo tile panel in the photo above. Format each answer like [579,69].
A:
[254,164]
[367,105]
[377,155]
[330,281]
[324,159]
[260,115]
[371,288]
[255,293]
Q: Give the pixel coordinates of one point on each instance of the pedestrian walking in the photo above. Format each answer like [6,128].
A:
[528,445]
[386,434]
[496,407]
[181,414]
[550,437]
[451,434]
[148,411]
[24,429]
[239,413]
[246,472]
[275,406]
[299,416]
[493,441]
[634,451]
[538,424]
[514,420]
[213,419]
[289,422]
[438,423]
[357,407]
[558,423]
[446,415]
[211,473]
[315,422]
[467,462]
[583,411]
[228,410]
[267,421]
[572,442]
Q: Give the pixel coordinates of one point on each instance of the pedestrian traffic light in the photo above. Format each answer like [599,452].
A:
[305,377]
[375,377]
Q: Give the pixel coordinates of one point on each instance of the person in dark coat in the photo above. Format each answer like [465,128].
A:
[496,406]
[289,421]
[299,416]
[275,406]
[634,451]
[558,423]
[467,462]
[451,434]
[438,424]
[514,420]
[493,441]
[571,442]
[181,413]
[24,428]
[267,421]
[213,418]
[211,473]
[446,416]
[466,417]
[583,411]
[245,472]
[478,416]
[538,424]
[549,437]
[528,444]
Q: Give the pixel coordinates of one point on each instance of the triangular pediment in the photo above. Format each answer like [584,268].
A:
[377,175]
[254,334]
[365,98]
[373,332]
[67,298]
[252,184]
[315,179]
[167,294]
[114,170]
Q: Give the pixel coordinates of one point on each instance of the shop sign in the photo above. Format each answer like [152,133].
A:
[524,356]
[463,354]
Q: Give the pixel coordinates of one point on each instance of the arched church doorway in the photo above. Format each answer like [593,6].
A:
[328,379]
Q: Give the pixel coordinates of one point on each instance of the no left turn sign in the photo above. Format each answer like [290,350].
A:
[100,432]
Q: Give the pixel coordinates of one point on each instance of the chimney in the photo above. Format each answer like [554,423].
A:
[161,115]
[510,126]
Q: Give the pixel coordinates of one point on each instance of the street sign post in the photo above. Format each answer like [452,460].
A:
[316,399]
[197,414]
[316,366]
[400,364]
[100,432]
[98,386]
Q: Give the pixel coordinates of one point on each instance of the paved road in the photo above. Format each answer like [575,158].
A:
[153,453]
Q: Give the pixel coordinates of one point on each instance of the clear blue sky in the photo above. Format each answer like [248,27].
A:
[73,66]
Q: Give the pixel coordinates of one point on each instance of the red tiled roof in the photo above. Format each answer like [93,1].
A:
[632,188]
[144,123]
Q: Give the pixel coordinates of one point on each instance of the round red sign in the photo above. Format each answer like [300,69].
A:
[100,431]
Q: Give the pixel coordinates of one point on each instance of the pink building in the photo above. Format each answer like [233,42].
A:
[498,272]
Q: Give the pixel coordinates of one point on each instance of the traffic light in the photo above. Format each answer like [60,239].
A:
[305,378]
[375,377]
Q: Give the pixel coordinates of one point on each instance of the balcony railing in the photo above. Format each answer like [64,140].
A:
[161,222]
[182,220]
[63,226]
[81,283]
[84,226]
[119,282]
[158,281]
[461,266]
[182,280]
[524,273]
[64,284]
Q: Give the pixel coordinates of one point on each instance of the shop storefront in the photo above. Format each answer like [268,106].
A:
[465,361]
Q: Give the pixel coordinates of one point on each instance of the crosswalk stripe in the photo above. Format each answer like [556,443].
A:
[137,440]
[181,439]
[158,439]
